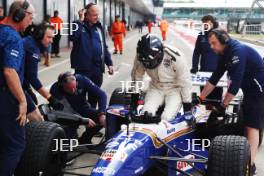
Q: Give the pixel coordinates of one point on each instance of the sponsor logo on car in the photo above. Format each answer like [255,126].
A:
[184,166]
[171,130]
[103,170]
[108,154]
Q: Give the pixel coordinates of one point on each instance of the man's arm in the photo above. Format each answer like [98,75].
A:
[44,93]
[213,80]
[138,71]
[15,87]
[236,74]
[12,61]
[108,60]
[208,88]
[182,74]
[31,71]
[196,54]
[74,37]
[95,90]
[32,74]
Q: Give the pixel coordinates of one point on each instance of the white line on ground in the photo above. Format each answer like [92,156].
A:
[68,60]
[179,37]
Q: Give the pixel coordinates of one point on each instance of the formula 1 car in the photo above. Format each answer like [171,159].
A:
[144,145]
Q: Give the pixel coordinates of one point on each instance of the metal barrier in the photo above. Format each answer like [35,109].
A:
[252,29]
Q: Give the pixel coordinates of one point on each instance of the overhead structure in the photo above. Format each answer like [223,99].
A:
[260,4]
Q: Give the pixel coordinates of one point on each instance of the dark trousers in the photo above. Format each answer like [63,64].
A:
[96,78]
[88,134]
[56,43]
[12,135]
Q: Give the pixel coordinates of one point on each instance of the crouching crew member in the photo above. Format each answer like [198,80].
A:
[71,90]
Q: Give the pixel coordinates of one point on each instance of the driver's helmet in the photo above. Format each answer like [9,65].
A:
[150,51]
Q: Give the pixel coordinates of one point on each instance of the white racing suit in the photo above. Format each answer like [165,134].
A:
[170,83]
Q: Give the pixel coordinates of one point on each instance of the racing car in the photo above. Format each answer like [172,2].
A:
[145,145]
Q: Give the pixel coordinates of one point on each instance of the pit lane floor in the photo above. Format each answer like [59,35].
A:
[182,39]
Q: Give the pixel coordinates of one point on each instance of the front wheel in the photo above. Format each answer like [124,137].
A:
[229,156]
[38,157]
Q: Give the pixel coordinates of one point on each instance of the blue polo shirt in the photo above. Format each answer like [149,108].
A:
[11,52]
[78,100]
[32,58]
[203,55]
[245,68]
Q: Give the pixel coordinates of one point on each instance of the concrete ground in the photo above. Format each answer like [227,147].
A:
[123,65]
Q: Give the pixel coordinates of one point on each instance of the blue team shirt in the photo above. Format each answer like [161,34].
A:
[204,55]
[32,58]
[78,100]
[11,52]
[244,66]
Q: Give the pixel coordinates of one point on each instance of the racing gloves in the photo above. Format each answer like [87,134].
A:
[196,100]
[187,108]
[219,110]
[55,104]
[194,70]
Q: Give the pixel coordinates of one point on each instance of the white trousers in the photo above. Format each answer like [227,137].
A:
[155,98]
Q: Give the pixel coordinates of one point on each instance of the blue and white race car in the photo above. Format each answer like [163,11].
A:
[143,145]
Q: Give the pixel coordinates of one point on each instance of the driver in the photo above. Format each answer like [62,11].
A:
[170,78]
[71,90]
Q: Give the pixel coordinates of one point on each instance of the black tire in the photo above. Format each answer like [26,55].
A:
[158,169]
[229,156]
[38,156]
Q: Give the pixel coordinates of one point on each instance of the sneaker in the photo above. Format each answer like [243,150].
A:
[99,134]
[254,170]
[115,52]
[121,52]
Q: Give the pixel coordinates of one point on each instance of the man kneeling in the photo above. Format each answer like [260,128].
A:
[71,90]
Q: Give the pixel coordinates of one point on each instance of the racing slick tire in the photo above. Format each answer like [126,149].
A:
[38,157]
[229,156]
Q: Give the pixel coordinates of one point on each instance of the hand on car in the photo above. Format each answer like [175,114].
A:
[196,100]
[219,110]
[193,70]
[102,120]
[91,123]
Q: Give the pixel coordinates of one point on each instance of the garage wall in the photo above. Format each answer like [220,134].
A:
[68,11]
[135,16]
